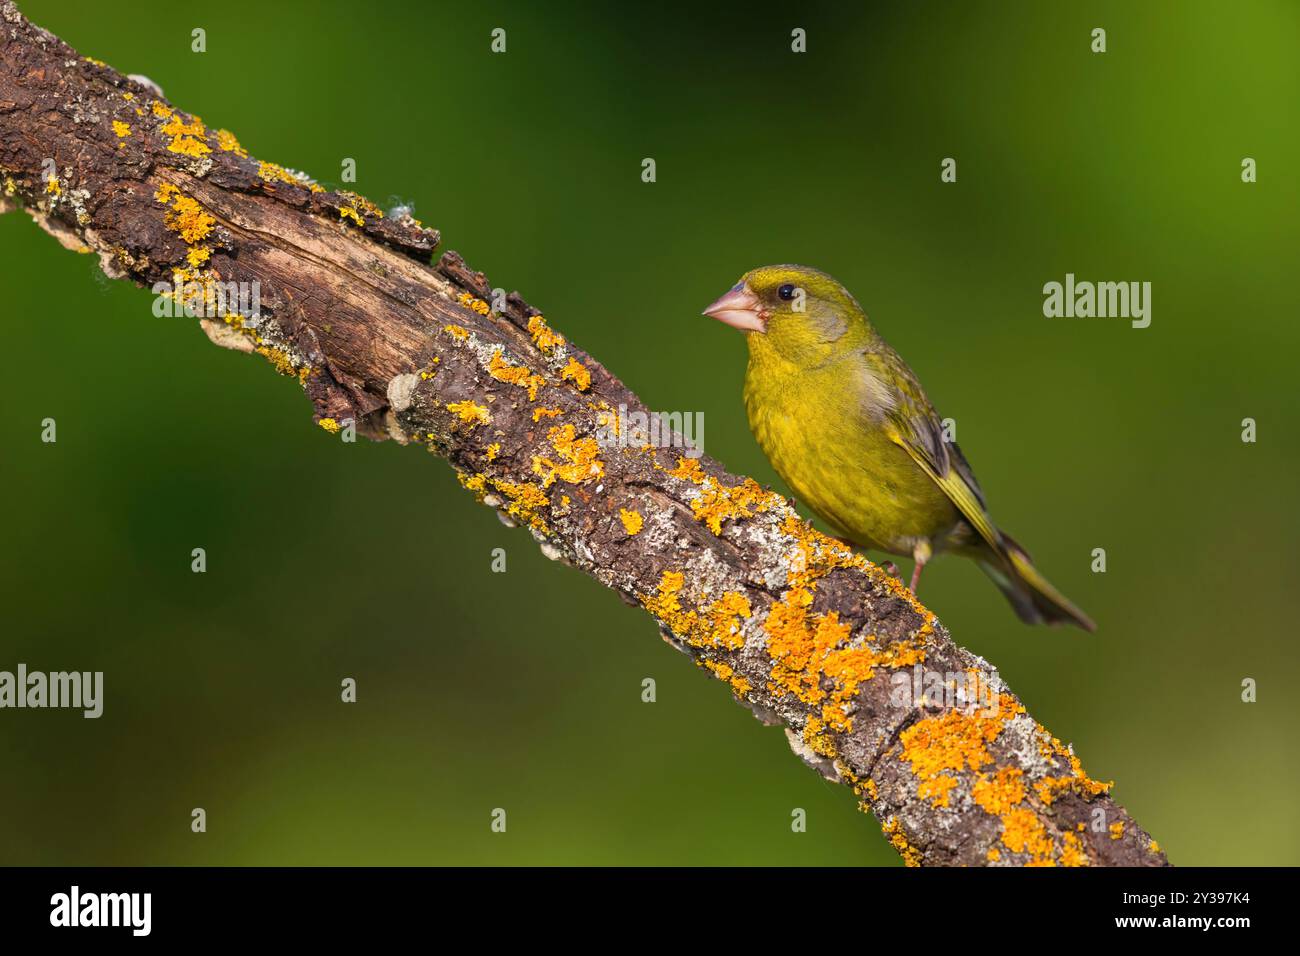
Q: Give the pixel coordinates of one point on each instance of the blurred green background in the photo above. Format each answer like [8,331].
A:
[522,691]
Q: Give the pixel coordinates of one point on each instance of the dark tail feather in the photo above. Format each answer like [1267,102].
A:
[1031,595]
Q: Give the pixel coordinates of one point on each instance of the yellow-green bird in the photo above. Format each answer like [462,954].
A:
[846,424]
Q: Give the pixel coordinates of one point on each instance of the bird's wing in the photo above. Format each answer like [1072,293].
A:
[911,421]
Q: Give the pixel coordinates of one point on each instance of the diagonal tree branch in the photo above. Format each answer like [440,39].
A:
[870,687]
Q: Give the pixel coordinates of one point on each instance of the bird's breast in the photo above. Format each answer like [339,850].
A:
[821,429]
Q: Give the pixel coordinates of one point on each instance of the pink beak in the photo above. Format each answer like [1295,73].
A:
[740,309]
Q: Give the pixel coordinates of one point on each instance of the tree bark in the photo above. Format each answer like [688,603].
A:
[869,685]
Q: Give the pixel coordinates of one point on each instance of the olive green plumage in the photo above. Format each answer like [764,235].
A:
[847,425]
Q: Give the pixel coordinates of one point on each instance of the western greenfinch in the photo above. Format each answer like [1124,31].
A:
[846,424]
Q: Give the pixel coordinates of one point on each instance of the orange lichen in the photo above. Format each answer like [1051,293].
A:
[473,304]
[493,450]
[578,458]
[53,187]
[161,110]
[456,332]
[955,740]
[577,373]
[363,204]
[893,831]
[275,173]
[1024,832]
[937,789]
[544,337]
[349,212]
[185,217]
[1072,851]
[718,503]
[999,793]
[123,130]
[198,255]
[808,649]
[632,521]
[716,625]
[688,469]
[1053,750]
[525,502]
[227,142]
[470,413]
[1116,830]
[329,424]
[993,855]
[186,138]
[726,672]
[519,375]
[540,413]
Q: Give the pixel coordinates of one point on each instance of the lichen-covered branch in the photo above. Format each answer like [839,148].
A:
[870,687]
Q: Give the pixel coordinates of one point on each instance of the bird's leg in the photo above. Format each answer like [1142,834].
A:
[921,554]
[890,568]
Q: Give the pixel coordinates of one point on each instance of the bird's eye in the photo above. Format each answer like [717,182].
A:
[786,292]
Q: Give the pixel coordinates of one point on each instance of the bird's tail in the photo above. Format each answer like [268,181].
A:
[1032,595]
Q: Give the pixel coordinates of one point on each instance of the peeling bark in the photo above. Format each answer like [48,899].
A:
[805,632]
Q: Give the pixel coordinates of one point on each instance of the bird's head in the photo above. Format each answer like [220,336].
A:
[800,312]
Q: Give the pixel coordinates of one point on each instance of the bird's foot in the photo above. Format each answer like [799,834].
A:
[891,569]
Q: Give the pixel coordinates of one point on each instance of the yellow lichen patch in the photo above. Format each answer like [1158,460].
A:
[93,61]
[540,413]
[1052,749]
[52,186]
[275,173]
[1024,832]
[544,337]
[718,626]
[524,503]
[807,649]
[519,375]
[718,503]
[579,458]
[470,413]
[893,831]
[999,793]
[993,855]
[1116,830]
[161,110]
[577,373]
[227,142]
[198,255]
[186,217]
[349,212]
[493,450]
[123,130]
[128,96]
[937,789]
[954,740]
[1072,851]
[688,469]
[1154,847]
[363,204]
[726,672]
[815,736]
[186,138]
[329,424]
[632,521]
[473,304]
[279,358]
[456,332]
